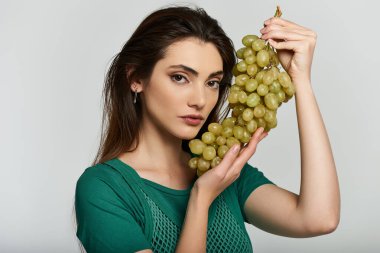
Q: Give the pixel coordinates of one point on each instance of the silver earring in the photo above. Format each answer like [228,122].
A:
[134,100]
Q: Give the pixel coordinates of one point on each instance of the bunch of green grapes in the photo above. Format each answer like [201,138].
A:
[259,89]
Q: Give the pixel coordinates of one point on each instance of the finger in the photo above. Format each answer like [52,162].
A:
[262,136]
[283,35]
[289,45]
[247,153]
[250,149]
[274,27]
[283,22]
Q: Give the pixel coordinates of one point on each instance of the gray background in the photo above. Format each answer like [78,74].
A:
[53,58]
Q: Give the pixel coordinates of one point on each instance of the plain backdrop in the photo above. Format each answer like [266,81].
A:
[53,58]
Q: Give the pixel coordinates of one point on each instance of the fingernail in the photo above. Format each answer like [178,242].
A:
[235,148]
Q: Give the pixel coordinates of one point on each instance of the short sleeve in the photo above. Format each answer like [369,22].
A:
[250,178]
[104,223]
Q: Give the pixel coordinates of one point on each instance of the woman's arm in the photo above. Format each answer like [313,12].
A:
[316,210]
[194,230]
[319,200]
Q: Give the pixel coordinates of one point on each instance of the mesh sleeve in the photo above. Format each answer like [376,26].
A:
[250,179]
[104,223]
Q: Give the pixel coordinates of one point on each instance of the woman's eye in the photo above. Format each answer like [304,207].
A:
[214,84]
[178,78]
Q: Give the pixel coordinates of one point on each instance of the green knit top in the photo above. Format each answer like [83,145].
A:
[119,211]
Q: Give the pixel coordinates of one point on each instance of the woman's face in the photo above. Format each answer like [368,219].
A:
[186,81]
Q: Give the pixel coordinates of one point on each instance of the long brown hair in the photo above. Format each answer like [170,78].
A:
[121,118]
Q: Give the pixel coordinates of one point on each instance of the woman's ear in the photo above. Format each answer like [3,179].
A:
[135,83]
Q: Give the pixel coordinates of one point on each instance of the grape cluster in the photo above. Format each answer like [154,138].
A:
[259,89]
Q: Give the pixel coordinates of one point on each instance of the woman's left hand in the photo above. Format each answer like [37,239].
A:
[294,44]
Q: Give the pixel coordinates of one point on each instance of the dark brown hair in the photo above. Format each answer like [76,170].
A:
[147,45]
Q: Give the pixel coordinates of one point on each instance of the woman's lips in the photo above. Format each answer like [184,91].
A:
[192,121]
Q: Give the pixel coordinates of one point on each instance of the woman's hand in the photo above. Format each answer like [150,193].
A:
[214,181]
[294,44]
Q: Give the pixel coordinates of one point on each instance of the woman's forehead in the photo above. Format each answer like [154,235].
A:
[194,53]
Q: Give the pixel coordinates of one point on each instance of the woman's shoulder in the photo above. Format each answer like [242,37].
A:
[102,181]
[101,175]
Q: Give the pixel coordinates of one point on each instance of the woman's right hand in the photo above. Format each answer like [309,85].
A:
[217,179]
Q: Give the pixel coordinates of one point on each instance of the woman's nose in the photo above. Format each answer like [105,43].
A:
[198,96]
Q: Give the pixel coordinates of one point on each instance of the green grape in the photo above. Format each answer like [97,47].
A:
[214,145]
[251,85]
[232,141]
[222,150]
[262,90]
[275,87]
[241,79]
[209,153]
[233,97]
[270,115]
[262,58]
[238,109]
[235,87]
[229,122]
[193,163]
[248,39]
[258,44]
[208,137]
[260,75]
[240,121]
[253,99]
[215,128]
[275,72]
[238,132]
[268,78]
[247,114]
[236,72]
[247,52]
[251,59]
[240,53]
[251,126]
[227,132]
[220,140]
[284,79]
[261,123]
[281,96]
[290,90]
[242,96]
[271,101]
[272,124]
[196,146]
[274,60]
[242,66]
[246,136]
[252,69]
[216,161]
[259,111]
[203,165]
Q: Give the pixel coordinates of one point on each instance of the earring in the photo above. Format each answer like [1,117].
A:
[134,100]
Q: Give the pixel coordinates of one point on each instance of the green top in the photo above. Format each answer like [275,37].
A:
[118,211]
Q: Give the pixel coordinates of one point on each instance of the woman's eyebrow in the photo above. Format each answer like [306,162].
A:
[194,72]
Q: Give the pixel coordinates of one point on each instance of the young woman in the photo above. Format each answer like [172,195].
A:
[140,195]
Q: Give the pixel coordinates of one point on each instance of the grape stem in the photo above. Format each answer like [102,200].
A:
[278,14]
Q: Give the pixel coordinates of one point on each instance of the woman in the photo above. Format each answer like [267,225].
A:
[140,195]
